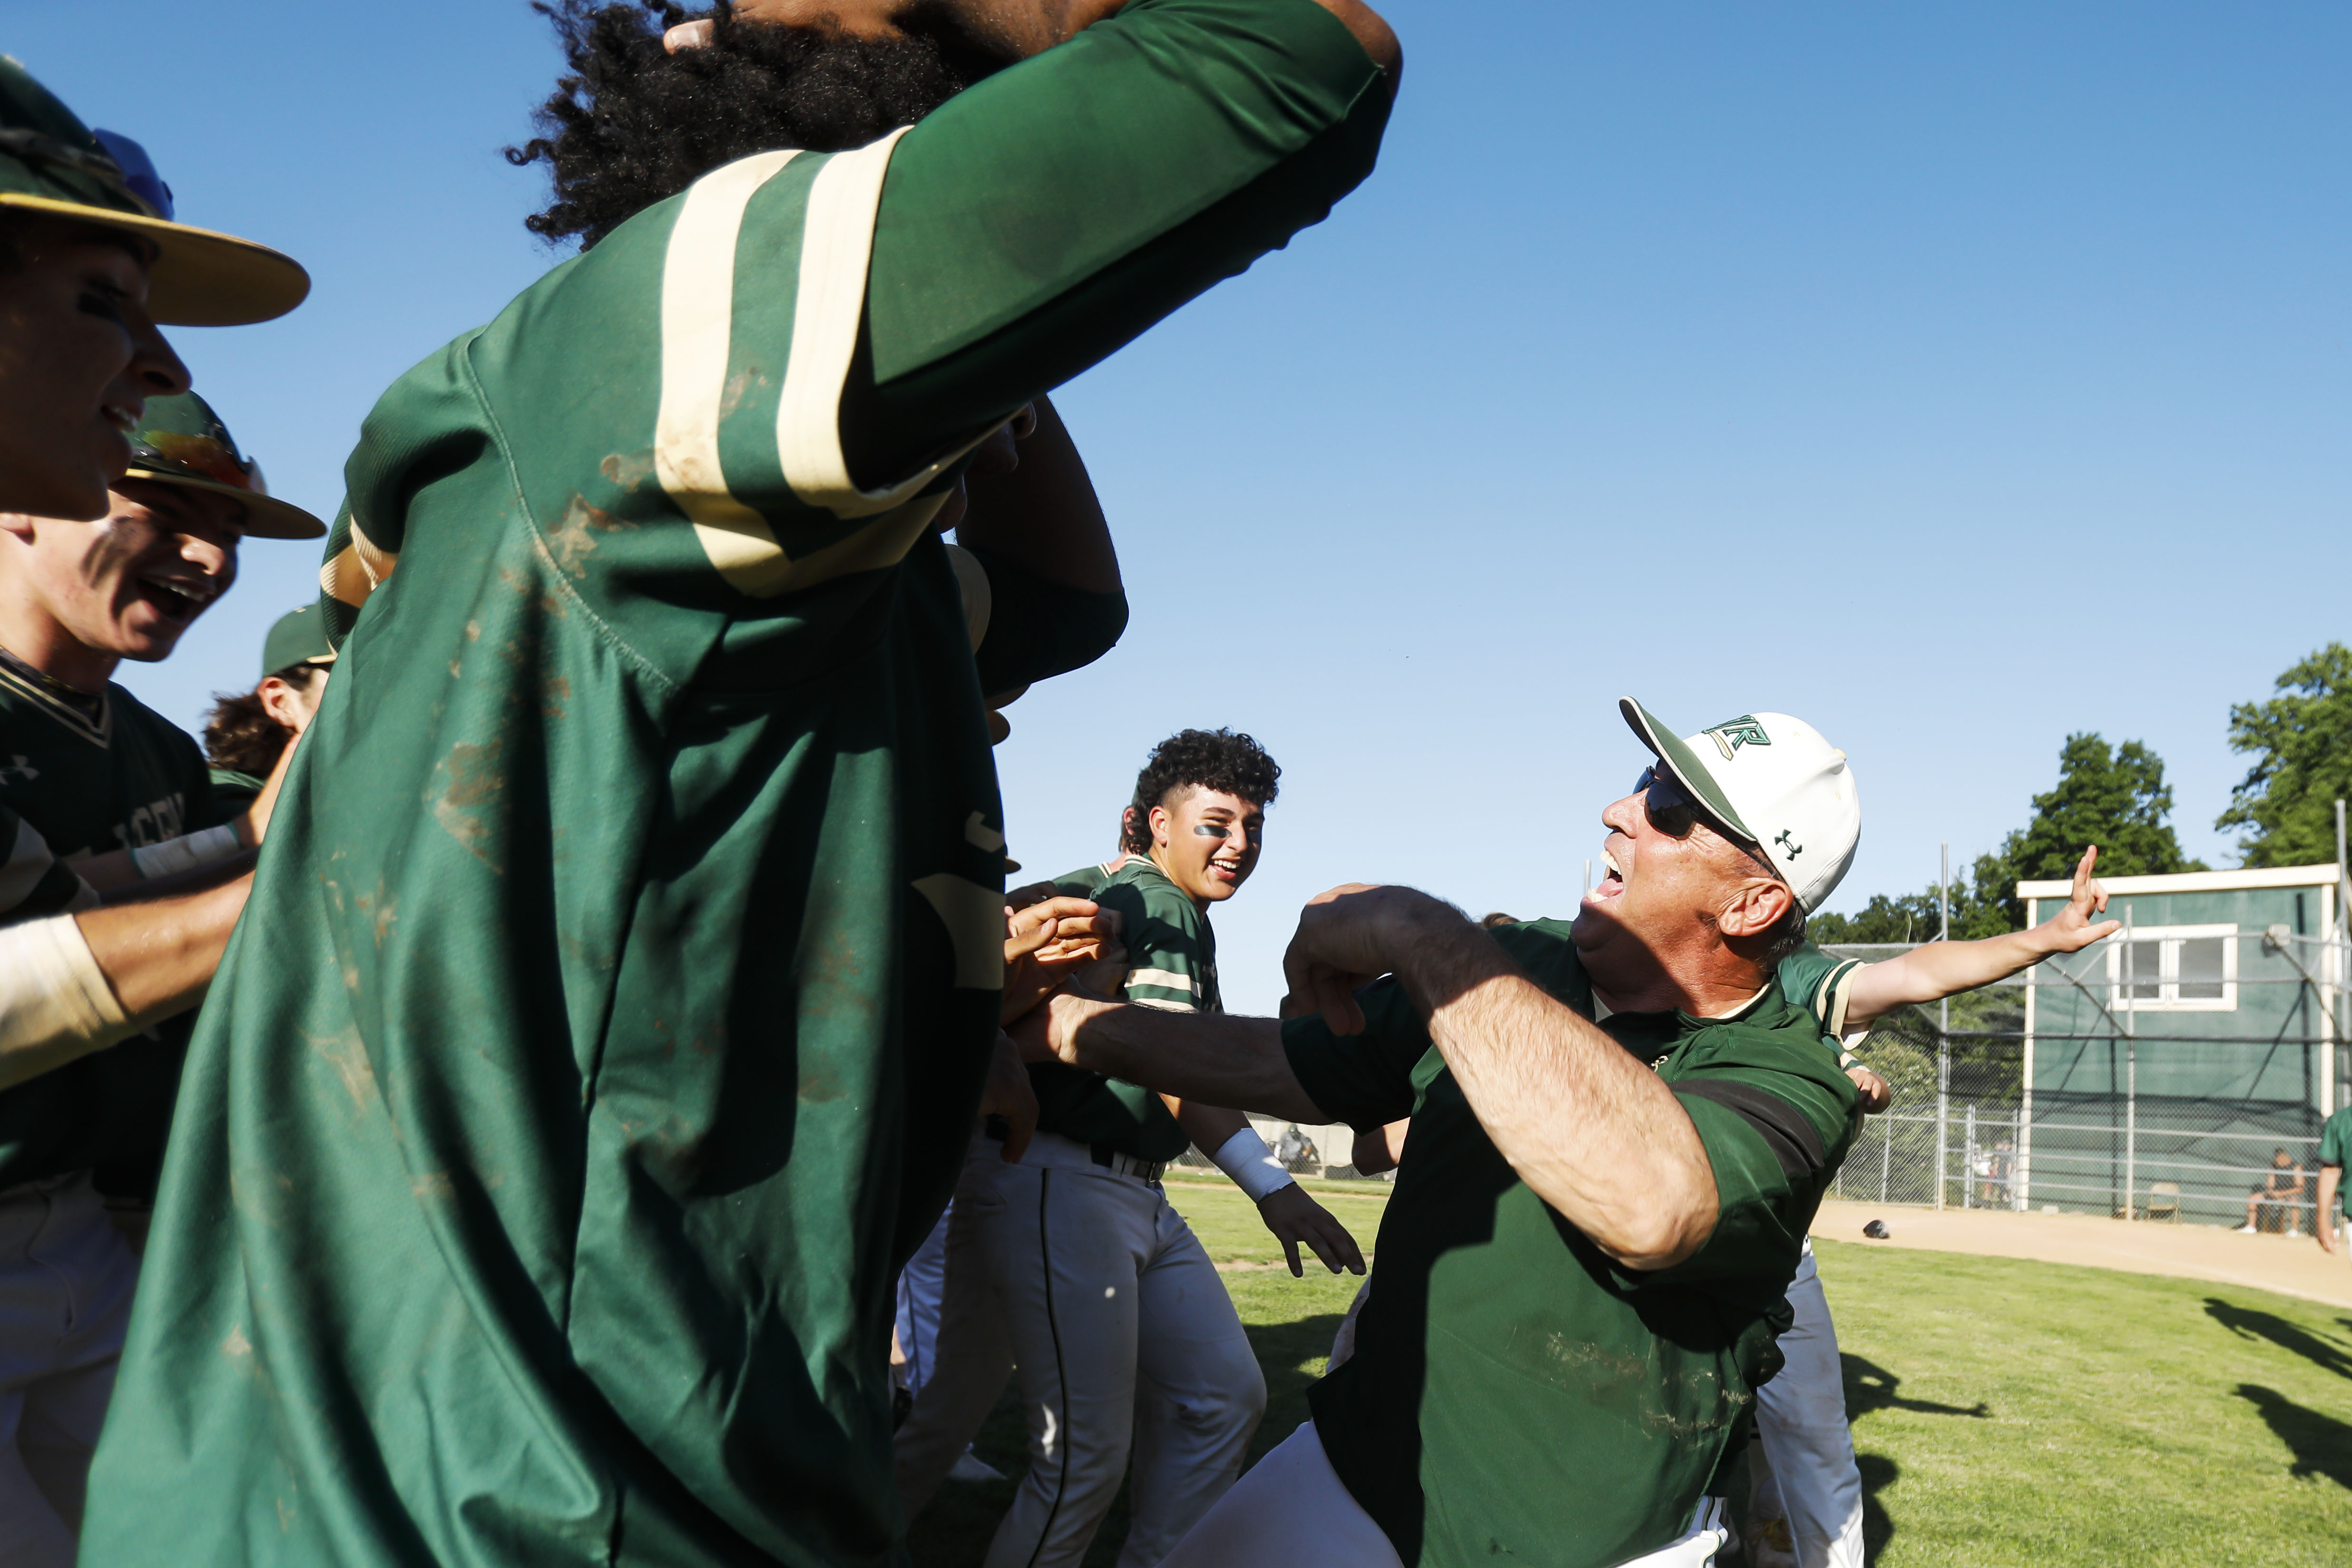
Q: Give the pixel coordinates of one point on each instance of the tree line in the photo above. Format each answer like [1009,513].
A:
[2115,798]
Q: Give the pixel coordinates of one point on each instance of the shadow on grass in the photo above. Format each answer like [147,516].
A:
[2322,1445]
[2247,1324]
[1869,1388]
[1879,1473]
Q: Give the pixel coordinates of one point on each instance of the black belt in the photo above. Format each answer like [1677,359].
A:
[1103,1154]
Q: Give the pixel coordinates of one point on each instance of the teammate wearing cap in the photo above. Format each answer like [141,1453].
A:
[641,880]
[248,733]
[90,261]
[1073,1266]
[122,797]
[1594,1225]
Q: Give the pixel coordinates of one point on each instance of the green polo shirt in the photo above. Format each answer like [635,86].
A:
[610,1016]
[1514,1395]
[1173,965]
[89,777]
[1820,985]
[2335,1144]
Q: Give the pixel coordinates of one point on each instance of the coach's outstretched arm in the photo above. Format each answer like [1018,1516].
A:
[1590,1129]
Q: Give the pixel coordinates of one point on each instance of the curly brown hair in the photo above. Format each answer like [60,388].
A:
[1214,760]
[239,734]
[631,125]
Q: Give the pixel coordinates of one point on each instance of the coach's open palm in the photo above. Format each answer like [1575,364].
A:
[1294,1217]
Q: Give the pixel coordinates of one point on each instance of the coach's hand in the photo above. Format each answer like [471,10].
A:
[1007,1094]
[1047,941]
[1348,938]
[1294,1217]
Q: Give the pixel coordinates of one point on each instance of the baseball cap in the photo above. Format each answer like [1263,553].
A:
[1772,783]
[180,441]
[299,637]
[51,163]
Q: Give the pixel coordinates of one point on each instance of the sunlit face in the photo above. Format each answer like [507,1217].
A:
[1208,843]
[130,583]
[78,358]
[1665,874]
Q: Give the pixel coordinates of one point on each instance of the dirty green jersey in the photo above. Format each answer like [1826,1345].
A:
[1173,965]
[1515,1395]
[609,1017]
[87,783]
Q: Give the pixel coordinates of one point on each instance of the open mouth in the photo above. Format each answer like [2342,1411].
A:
[177,602]
[1612,881]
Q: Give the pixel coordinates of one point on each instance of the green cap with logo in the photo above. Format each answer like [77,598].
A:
[298,637]
[51,163]
[1771,784]
[180,441]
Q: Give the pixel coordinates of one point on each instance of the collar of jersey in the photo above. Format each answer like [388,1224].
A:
[58,698]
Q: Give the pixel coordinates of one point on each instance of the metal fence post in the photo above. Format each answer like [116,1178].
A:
[1943,1033]
[2131,1066]
[1968,1162]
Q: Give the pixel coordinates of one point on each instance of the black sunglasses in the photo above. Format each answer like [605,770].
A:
[1671,808]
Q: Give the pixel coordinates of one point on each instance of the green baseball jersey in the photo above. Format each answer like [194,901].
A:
[2335,1138]
[1516,1394]
[1173,964]
[609,1017]
[233,791]
[1820,985]
[33,880]
[89,777]
[1088,880]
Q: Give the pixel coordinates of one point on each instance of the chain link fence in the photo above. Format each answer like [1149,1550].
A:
[2084,1110]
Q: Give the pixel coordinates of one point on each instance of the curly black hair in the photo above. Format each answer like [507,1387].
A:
[633,125]
[1214,760]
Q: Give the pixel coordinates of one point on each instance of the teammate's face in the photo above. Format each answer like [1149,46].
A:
[1208,843]
[127,585]
[1667,877]
[78,358]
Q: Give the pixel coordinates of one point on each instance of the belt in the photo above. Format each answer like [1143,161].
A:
[1103,1154]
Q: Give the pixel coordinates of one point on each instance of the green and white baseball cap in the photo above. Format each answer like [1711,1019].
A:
[1772,783]
[51,163]
[299,637]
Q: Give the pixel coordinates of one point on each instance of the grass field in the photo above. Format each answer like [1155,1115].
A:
[2005,1413]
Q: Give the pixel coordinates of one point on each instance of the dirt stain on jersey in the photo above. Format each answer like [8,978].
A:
[467,784]
[628,469]
[574,538]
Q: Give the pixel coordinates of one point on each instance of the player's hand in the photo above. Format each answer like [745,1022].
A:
[1346,939]
[1875,1094]
[1050,1033]
[2325,1234]
[1047,941]
[2072,930]
[1294,1217]
[1007,1094]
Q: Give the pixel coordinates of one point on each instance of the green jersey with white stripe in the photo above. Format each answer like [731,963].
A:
[88,776]
[1820,985]
[610,1014]
[1172,956]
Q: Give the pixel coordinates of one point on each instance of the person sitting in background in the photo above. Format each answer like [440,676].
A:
[247,733]
[2279,1198]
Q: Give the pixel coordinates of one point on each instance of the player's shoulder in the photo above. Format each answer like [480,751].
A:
[1810,978]
[1546,949]
[134,718]
[1140,881]
[1775,1039]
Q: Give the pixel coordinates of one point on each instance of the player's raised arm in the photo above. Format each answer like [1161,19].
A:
[1942,969]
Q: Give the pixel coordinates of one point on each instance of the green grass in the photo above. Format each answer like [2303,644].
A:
[2005,1413]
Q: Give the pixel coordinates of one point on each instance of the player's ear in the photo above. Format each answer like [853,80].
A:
[1160,824]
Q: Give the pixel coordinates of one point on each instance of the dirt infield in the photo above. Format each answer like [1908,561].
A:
[2292,1266]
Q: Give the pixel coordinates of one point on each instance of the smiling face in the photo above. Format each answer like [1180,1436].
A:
[1663,908]
[78,598]
[1207,843]
[78,358]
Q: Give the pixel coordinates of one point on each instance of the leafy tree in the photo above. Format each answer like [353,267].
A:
[2301,742]
[2113,796]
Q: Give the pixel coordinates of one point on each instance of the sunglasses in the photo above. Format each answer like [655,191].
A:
[1671,808]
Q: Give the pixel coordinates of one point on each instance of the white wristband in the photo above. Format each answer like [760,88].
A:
[187,852]
[1245,1158]
[54,998]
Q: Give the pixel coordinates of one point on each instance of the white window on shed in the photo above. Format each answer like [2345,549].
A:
[2183,969]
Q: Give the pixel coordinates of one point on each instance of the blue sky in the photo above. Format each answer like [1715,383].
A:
[1953,377]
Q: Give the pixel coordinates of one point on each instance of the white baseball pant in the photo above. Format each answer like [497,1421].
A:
[1292,1511]
[1812,1481]
[66,1284]
[1125,1343]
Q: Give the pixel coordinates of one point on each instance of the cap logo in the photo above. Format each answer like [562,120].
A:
[1734,733]
[1794,849]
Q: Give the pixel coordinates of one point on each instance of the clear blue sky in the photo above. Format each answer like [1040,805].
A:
[1954,377]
